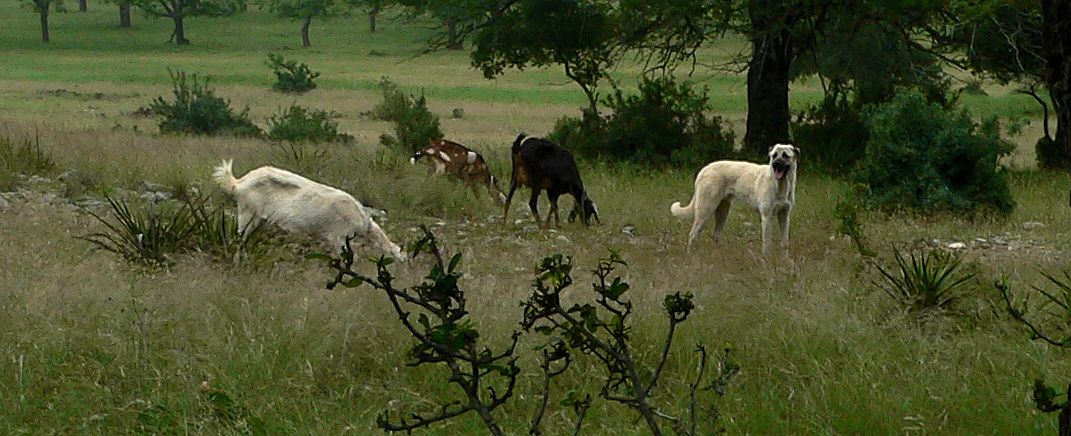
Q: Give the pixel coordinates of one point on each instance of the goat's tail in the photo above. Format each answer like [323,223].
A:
[224,175]
[682,211]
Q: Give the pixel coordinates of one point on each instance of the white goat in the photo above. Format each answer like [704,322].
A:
[302,206]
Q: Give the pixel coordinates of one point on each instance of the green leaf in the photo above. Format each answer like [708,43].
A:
[318,256]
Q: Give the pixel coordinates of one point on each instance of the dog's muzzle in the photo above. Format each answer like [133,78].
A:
[780,168]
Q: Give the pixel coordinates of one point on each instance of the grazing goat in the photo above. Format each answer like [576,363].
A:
[459,161]
[540,164]
[302,206]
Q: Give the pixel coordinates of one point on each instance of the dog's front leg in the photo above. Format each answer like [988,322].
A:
[784,216]
[767,230]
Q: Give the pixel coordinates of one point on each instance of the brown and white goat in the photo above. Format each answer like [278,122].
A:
[448,157]
[543,165]
[301,206]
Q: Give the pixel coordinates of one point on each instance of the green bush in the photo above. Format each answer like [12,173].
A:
[832,133]
[298,124]
[665,124]
[291,76]
[1050,156]
[924,157]
[414,124]
[197,110]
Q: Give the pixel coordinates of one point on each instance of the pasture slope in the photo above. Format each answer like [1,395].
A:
[89,344]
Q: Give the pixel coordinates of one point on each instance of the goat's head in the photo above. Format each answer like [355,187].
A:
[590,211]
[783,159]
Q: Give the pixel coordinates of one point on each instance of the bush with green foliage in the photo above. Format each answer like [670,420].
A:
[197,110]
[925,157]
[414,124]
[832,134]
[298,124]
[290,75]
[665,124]
[1050,156]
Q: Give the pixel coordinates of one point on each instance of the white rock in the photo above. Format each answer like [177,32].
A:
[1031,225]
[957,246]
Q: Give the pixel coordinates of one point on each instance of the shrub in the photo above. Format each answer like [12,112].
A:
[414,124]
[832,134]
[1050,156]
[197,110]
[665,124]
[291,76]
[924,157]
[929,281]
[297,124]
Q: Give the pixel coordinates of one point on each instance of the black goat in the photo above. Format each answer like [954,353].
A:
[541,165]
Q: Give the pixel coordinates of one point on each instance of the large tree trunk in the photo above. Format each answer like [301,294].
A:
[180,31]
[305,32]
[44,25]
[372,14]
[1055,31]
[124,14]
[82,6]
[767,78]
[451,35]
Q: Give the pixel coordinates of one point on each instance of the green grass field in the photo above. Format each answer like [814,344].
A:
[91,344]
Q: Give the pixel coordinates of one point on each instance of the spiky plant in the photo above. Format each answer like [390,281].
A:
[144,233]
[924,280]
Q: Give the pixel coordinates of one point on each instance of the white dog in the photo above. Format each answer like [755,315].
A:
[769,189]
[302,206]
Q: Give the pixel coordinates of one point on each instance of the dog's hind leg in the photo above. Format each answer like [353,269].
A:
[702,208]
[720,216]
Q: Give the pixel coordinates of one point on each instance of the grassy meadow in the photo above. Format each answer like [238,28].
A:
[91,344]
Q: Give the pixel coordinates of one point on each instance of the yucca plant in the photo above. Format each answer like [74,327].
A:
[926,280]
[217,233]
[144,233]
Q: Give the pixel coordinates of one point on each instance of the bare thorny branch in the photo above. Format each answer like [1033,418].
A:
[445,336]
[449,339]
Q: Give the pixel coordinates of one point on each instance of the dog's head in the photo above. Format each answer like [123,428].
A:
[783,159]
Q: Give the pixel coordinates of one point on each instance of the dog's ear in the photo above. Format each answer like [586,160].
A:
[797,150]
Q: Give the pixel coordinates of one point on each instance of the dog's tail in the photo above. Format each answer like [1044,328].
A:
[681,212]
[224,175]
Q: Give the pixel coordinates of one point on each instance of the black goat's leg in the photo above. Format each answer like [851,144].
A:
[533,203]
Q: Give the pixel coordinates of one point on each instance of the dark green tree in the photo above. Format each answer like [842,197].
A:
[306,10]
[179,10]
[1024,42]
[42,8]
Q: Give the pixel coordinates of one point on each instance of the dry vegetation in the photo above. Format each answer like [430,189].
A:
[89,344]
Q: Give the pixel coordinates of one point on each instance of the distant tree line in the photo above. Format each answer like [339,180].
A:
[1022,42]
